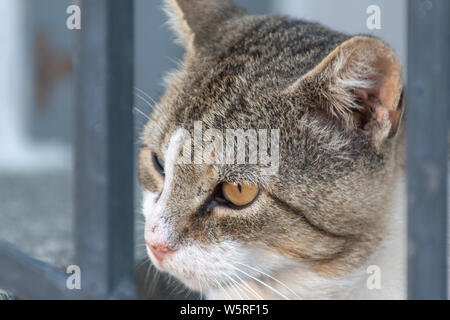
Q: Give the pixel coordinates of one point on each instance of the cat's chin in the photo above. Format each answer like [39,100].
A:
[210,267]
[232,271]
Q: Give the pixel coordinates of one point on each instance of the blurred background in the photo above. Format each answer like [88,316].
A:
[37,105]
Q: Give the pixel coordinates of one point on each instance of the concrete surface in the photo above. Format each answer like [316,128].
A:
[36,216]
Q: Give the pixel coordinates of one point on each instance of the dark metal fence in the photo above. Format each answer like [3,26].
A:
[104,210]
[428,103]
[104,160]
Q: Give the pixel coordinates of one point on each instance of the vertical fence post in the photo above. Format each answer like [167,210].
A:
[428,104]
[104,212]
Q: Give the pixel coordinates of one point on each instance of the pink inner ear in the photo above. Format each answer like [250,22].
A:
[362,84]
[380,101]
[390,84]
[368,101]
[389,93]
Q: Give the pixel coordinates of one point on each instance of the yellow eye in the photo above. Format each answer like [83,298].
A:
[239,194]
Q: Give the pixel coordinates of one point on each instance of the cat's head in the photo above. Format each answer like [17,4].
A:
[334,101]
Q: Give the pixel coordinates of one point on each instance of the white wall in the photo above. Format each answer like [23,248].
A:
[12,86]
[17,150]
[350,16]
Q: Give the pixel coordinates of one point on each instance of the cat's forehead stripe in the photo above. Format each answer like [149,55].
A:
[172,152]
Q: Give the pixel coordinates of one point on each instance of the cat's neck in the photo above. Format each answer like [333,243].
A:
[299,283]
[391,258]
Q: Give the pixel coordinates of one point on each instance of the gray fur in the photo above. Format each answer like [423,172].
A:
[327,206]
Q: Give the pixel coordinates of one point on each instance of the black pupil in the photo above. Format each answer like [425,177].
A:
[159,164]
[239,187]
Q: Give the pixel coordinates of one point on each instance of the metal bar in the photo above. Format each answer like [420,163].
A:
[29,278]
[428,104]
[104,215]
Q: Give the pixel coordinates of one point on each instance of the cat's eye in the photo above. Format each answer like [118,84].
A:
[158,163]
[239,194]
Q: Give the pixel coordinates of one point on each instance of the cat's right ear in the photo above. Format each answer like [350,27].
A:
[197,22]
[360,85]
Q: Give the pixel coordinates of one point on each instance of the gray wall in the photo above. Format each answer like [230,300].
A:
[155,52]
[350,16]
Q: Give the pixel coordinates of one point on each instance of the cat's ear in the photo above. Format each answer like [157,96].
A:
[360,84]
[197,22]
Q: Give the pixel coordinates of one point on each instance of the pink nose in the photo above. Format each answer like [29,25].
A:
[159,249]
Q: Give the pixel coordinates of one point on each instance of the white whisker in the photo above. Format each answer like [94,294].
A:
[249,288]
[141,113]
[237,286]
[145,94]
[144,100]
[234,289]
[201,289]
[269,276]
[223,289]
[263,283]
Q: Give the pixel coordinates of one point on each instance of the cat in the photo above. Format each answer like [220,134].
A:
[329,223]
